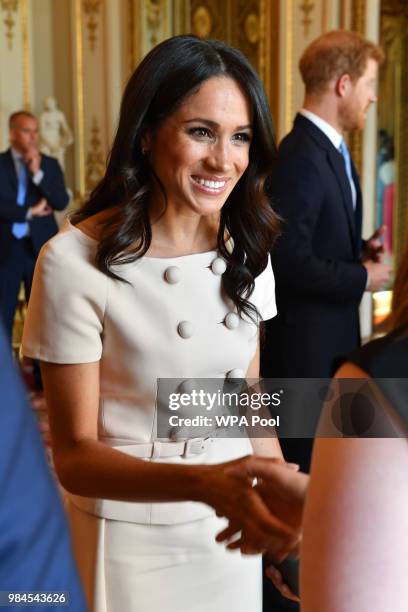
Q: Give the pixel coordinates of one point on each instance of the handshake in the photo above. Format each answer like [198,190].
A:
[263,500]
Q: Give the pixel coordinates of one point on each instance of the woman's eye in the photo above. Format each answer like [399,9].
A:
[200,132]
[242,137]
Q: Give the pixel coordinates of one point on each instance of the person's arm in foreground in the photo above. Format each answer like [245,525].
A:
[354,549]
[90,468]
[35,551]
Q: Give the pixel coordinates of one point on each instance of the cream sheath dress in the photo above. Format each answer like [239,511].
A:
[170,321]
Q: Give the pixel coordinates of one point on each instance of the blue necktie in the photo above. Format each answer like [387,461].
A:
[19,230]
[347,162]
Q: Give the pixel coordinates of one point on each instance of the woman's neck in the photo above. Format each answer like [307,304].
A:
[175,235]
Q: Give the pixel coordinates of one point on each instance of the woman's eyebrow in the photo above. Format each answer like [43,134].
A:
[214,124]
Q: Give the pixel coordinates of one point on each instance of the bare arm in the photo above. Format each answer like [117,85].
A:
[266,447]
[355,535]
[90,468]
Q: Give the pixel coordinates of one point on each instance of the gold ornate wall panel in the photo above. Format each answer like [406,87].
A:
[358,16]
[393,89]
[9,10]
[211,19]
[15,81]
[269,54]
[242,23]
[358,24]
[89,32]
[25,44]
[246,29]
[300,22]
[250,25]
[92,12]
[150,22]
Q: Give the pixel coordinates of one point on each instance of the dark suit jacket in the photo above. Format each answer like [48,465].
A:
[316,261]
[35,549]
[51,187]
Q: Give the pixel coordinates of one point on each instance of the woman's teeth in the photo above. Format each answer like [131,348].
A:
[210,184]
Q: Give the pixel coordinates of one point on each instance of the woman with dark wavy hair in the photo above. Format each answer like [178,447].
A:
[164,273]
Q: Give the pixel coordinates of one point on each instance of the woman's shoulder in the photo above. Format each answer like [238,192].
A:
[384,357]
[69,245]
[68,260]
[77,239]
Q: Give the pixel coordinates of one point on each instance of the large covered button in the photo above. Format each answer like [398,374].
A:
[235,373]
[172,275]
[185,329]
[218,266]
[178,433]
[187,386]
[231,320]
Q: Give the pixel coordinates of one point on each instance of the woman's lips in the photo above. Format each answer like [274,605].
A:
[212,186]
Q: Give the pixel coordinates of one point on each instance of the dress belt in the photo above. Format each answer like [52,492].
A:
[154,450]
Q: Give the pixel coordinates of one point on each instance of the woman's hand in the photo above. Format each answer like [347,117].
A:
[228,488]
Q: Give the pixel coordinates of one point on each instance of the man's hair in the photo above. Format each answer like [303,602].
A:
[333,54]
[21,113]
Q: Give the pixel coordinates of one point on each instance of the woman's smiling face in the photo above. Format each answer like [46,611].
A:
[200,152]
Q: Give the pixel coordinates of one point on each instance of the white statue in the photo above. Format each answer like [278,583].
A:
[55,133]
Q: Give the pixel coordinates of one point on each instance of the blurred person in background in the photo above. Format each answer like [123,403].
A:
[355,532]
[31,188]
[322,266]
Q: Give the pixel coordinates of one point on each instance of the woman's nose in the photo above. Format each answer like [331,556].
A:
[220,157]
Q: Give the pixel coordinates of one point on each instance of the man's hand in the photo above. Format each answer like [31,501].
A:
[32,158]
[276,578]
[282,490]
[41,209]
[228,488]
[374,249]
[378,275]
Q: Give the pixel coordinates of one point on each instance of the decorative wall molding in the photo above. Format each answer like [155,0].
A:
[394,7]
[269,54]
[91,9]
[26,53]
[10,8]
[289,64]
[358,24]
[154,17]
[79,102]
[211,19]
[252,28]
[202,21]
[307,7]
[95,160]
[393,80]
[358,16]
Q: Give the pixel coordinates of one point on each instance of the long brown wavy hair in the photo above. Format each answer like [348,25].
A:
[164,79]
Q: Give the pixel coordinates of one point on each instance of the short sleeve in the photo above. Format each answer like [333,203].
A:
[64,321]
[264,293]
